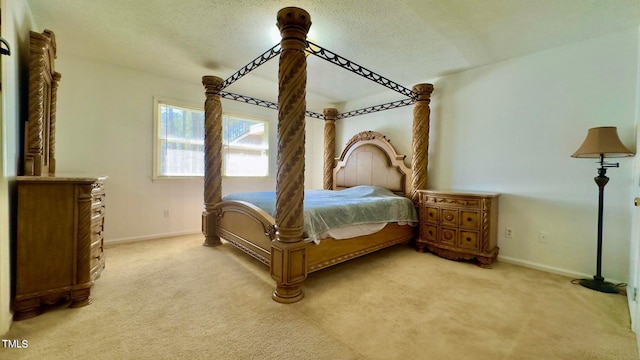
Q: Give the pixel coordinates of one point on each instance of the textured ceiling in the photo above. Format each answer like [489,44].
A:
[407,41]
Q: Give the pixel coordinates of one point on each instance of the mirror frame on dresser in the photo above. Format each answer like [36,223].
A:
[39,130]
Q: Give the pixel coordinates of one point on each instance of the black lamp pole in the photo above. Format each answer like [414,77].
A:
[598,283]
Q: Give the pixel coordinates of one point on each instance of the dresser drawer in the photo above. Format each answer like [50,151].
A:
[97,206]
[98,189]
[97,216]
[96,262]
[97,226]
[97,265]
[97,209]
[96,252]
[97,197]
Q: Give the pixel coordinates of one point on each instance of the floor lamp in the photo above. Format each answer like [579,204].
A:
[600,143]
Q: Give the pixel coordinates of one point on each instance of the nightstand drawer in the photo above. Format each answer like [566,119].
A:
[430,232]
[431,215]
[469,219]
[448,235]
[449,217]
[468,240]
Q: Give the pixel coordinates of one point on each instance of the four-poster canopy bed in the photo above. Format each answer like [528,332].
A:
[278,239]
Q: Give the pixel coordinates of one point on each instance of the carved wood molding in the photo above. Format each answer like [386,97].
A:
[234,240]
[39,146]
[342,258]
[456,202]
[362,136]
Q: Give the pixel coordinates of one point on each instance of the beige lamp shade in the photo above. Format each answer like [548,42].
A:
[602,141]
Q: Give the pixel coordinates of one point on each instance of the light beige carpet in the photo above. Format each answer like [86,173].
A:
[175,299]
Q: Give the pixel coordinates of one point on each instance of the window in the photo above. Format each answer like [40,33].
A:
[245,147]
[179,143]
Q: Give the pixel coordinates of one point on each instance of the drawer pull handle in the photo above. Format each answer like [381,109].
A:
[469,219]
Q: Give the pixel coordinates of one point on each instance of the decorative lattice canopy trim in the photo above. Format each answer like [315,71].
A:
[333,58]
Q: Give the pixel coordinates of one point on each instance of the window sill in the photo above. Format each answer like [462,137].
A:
[175,178]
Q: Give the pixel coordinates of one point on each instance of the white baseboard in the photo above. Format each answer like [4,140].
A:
[550,269]
[506,259]
[108,242]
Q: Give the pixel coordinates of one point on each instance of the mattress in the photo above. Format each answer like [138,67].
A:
[340,214]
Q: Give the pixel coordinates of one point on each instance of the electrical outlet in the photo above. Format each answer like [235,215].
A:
[508,233]
[544,237]
[166,213]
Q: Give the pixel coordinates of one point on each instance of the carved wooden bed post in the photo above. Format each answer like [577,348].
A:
[330,115]
[288,251]
[212,158]
[420,159]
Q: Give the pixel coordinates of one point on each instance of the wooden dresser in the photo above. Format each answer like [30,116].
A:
[459,225]
[59,246]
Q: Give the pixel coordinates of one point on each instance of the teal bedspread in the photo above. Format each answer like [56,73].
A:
[330,209]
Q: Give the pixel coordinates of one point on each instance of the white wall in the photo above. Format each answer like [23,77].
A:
[5,269]
[634,261]
[105,127]
[511,127]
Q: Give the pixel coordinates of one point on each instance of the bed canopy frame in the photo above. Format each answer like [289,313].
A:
[288,251]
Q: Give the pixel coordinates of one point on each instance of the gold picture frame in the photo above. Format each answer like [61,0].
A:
[39,132]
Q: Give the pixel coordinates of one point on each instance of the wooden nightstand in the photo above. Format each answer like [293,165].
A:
[459,225]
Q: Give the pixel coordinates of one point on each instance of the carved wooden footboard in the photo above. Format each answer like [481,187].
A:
[252,230]
[247,227]
[331,251]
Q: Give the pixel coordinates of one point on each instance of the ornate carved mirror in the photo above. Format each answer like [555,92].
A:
[39,132]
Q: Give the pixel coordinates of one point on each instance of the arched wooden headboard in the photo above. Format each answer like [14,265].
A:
[370,159]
